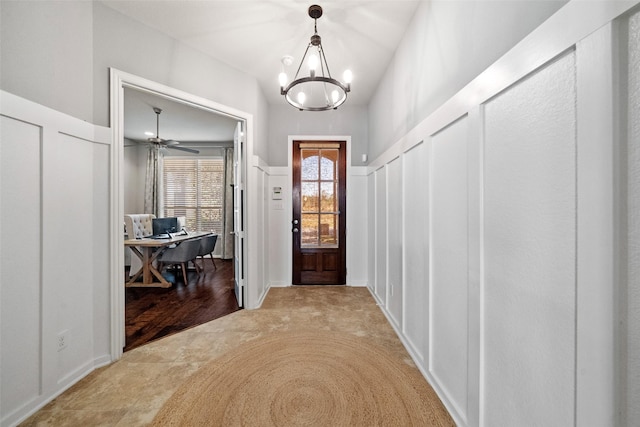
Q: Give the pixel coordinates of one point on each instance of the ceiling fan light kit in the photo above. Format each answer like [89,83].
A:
[318,91]
[164,143]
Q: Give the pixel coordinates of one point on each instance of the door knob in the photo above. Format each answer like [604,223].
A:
[295,229]
[295,222]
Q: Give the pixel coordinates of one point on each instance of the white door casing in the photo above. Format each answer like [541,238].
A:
[238,210]
[118,81]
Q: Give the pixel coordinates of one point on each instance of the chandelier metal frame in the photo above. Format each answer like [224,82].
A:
[330,86]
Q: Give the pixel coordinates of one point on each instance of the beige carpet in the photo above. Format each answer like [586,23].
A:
[306,378]
[135,389]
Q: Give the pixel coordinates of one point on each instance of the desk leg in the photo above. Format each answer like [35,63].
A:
[147,277]
[148,271]
[153,271]
[133,278]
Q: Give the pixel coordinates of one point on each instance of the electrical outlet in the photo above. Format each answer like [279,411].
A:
[63,340]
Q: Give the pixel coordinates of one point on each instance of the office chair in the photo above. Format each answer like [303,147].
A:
[180,255]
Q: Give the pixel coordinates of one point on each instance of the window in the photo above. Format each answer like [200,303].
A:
[194,188]
[319,190]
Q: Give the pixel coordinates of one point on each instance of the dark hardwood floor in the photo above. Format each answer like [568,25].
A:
[152,313]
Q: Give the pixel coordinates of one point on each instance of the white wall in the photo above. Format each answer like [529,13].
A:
[448,261]
[285,120]
[447,44]
[415,221]
[134,170]
[279,224]
[47,54]
[394,247]
[58,54]
[101,289]
[131,46]
[632,339]
[54,253]
[358,242]
[379,260]
[529,249]
[371,234]
[513,317]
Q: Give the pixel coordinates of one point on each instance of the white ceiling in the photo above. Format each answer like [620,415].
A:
[253,36]
[178,121]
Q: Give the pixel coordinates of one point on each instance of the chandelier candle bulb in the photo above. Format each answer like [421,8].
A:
[347,76]
[313,64]
[283,80]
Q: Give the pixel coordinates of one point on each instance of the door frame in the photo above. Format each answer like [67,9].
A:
[327,138]
[119,80]
[239,185]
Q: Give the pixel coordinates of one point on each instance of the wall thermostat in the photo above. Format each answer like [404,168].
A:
[276,193]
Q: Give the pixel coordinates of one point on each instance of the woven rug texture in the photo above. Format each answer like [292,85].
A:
[305,378]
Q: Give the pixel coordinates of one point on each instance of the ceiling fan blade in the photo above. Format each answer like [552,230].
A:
[188,150]
[167,143]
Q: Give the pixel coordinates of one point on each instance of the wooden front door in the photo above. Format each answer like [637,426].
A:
[319,212]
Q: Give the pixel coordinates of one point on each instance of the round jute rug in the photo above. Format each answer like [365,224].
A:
[305,379]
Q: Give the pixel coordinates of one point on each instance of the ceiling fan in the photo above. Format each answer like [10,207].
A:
[167,143]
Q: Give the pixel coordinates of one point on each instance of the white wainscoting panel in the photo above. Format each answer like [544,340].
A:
[381,235]
[261,200]
[532,186]
[598,172]
[633,224]
[21,281]
[528,334]
[357,220]
[371,232]
[68,204]
[415,254]
[101,233]
[394,241]
[55,244]
[279,237]
[448,254]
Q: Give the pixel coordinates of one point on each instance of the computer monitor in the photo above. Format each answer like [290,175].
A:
[164,225]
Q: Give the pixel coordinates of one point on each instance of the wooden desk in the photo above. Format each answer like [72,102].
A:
[148,250]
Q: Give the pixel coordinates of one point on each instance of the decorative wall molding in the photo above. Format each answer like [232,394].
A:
[583,29]
[50,161]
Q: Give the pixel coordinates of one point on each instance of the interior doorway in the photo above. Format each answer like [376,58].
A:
[319,207]
[118,82]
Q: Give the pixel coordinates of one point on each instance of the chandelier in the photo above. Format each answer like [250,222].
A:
[318,91]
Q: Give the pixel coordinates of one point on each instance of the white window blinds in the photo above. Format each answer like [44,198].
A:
[193,188]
